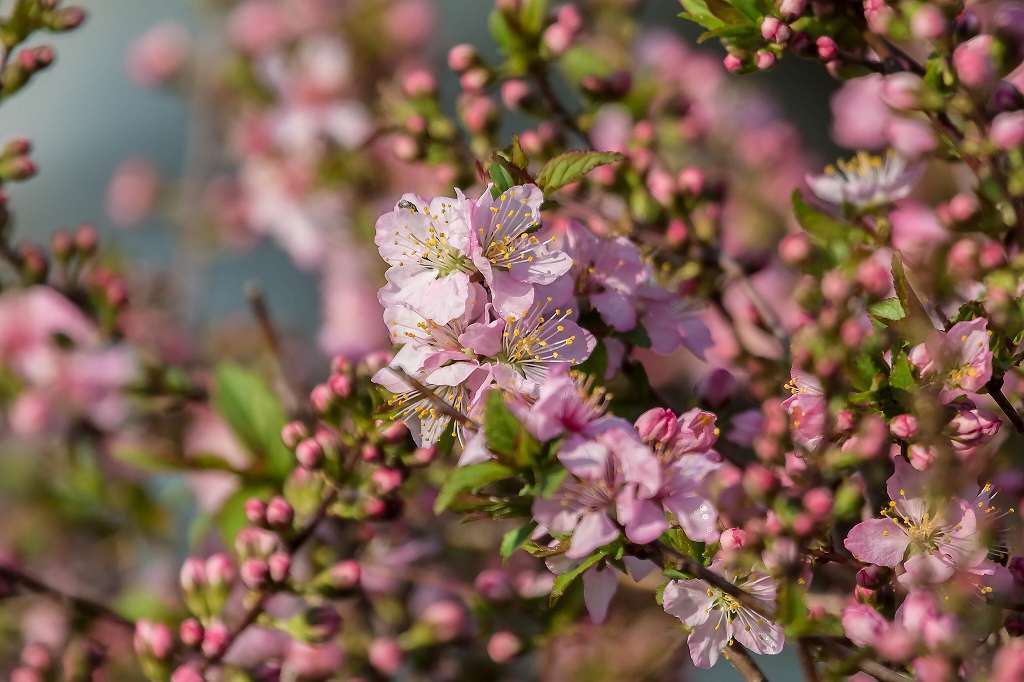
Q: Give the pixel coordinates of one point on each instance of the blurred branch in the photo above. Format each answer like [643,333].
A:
[744,663]
[82,605]
[994,387]
[540,74]
[261,311]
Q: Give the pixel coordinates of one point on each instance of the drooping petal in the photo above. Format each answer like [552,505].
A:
[757,633]
[599,586]
[644,519]
[696,515]
[708,639]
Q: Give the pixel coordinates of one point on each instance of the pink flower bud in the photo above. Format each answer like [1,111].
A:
[732,63]
[187,673]
[903,426]
[974,63]
[792,8]
[369,452]
[419,83]
[503,646]
[478,112]
[733,539]
[386,656]
[254,573]
[962,258]
[279,512]
[340,385]
[676,232]
[446,618]
[921,456]
[657,425]
[514,92]
[215,639]
[462,57]
[717,386]
[827,48]
[932,668]
[395,432]
[863,625]
[992,255]
[193,574]
[345,574]
[1007,131]
[255,511]
[309,453]
[322,398]
[153,639]
[962,207]
[386,479]
[770,27]
[220,571]
[691,180]
[558,38]
[568,15]
[191,632]
[764,59]
[928,23]
[494,584]
[279,564]
[818,502]
[794,248]
[971,428]
[292,433]
[874,277]
[759,481]
[941,631]
[425,455]
[158,55]
[901,90]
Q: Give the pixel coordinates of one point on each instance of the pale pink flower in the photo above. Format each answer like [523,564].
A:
[960,357]
[158,55]
[132,192]
[866,181]
[715,618]
[860,115]
[931,538]
[807,409]
[601,467]
[426,243]
[506,251]
[971,428]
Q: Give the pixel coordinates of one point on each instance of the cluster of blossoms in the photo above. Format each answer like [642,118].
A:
[829,467]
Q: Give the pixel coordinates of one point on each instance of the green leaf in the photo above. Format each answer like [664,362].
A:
[505,436]
[515,538]
[255,415]
[470,478]
[517,156]
[698,12]
[532,16]
[501,178]
[818,224]
[888,309]
[792,610]
[597,364]
[677,540]
[735,32]
[918,324]
[565,580]
[570,166]
[748,8]
[901,376]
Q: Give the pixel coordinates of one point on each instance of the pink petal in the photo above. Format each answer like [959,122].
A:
[687,600]
[708,639]
[594,530]
[877,541]
[599,586]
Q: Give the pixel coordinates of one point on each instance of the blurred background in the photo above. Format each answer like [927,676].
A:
[87,116]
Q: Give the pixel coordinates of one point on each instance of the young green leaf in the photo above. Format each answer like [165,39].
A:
[255,415]
[505,436]
[468,479]
[822,227]
[515,538]
[570,166]
[565,580]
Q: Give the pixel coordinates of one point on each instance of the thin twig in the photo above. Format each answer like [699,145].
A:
[807,660]
[261,311]
[81,604]
[434,398]
[257,607]
[843,652]
[734,270]
[547,92]
[995,389]
[744,663]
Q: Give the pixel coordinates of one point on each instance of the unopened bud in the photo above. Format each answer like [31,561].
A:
[903,426]
[255,511]
[215,639]
[309,453]
[733,539]
[657,425]
[191,632]
[292,433]
[254,573]
[279,564]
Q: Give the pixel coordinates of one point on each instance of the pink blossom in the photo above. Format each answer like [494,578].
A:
[863,625]
[916,232]
[807,409]
[974,64]
[507,253]
[132,192]
[960,357]
[601,468]
[859,115]
[715,617]
[932,538]
[971,428]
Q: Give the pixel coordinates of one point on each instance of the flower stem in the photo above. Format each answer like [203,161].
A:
[82,605]
[994,387]
[744,663]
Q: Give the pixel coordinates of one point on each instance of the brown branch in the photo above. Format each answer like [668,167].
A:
[994,387]
[85,606]
[733,269]
[547,92]
[844,652]
[261,311]
[807,661]
[744,663]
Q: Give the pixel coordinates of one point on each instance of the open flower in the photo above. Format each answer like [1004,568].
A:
[960,357]
[866,181]
[716,617]
[932,537]
[426,244]
[600,467]
[506,250]
[807,409]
